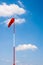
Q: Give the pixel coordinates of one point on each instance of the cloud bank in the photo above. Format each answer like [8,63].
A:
[11,9]
[26,47]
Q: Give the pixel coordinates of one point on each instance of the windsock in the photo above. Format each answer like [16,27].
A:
[11,22]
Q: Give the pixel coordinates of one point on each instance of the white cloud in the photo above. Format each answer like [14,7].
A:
[26,47]
[11,9]
[19,20]
[20,3]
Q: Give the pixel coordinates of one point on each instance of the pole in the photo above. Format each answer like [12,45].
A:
[13,55]
[14,44]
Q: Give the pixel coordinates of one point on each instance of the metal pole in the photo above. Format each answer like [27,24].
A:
[14,44]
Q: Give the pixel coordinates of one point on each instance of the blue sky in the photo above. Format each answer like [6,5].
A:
[29,31]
